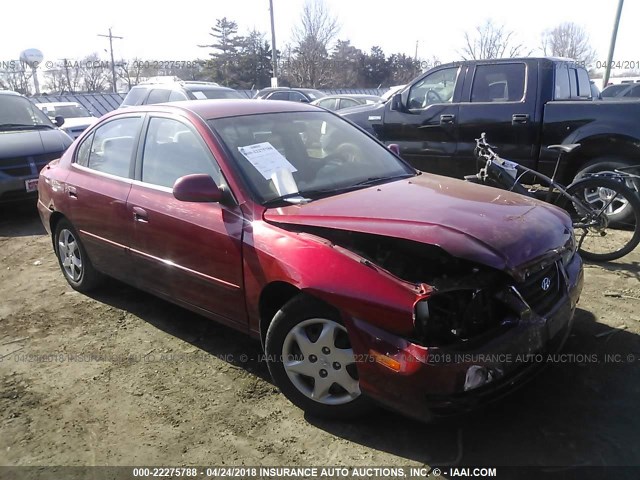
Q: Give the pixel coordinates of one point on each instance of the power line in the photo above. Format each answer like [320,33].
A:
[113,66]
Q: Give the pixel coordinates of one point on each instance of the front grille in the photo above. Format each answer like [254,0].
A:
[540,300]
[26,166]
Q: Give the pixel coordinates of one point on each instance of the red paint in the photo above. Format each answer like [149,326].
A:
[218,257]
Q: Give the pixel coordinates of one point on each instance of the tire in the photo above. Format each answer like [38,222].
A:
[310,359]
[607,166]
[73,259]
[604,239]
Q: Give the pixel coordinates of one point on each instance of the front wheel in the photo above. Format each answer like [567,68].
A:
[310,359]
[601,234]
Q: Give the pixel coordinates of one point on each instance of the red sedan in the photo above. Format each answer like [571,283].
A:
[363,278]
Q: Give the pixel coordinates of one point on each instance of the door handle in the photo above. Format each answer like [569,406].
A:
[71,191]
[519,118]
[140,215]
[447,119]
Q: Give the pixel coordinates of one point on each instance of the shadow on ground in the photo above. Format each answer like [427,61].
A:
[20,220]
[580,411]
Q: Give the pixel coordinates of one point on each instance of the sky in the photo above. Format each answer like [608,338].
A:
[171,31]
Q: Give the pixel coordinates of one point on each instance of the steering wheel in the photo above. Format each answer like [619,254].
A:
[432,97]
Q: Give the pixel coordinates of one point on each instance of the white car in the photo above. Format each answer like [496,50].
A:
[76,117]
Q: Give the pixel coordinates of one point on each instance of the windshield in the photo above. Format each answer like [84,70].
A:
[312,154]
[16,111]
[67,111]
[214,94]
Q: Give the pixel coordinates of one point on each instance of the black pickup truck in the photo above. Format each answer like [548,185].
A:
[522,104]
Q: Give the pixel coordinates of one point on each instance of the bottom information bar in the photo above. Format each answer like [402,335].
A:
[316,472]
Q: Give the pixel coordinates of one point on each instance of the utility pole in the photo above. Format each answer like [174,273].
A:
[612,45]
[416,56]
[113,67]
[274,56]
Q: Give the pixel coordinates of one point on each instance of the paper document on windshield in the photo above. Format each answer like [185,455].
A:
[266,159]
[272,165]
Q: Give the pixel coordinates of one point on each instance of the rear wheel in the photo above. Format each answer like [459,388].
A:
[601,233]
[606,167]
[310,359]
[73,259]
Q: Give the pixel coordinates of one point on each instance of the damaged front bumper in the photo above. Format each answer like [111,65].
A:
[425,382]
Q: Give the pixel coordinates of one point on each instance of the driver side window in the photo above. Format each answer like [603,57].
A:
[437,87]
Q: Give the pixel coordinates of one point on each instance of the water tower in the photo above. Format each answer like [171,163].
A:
[33,57]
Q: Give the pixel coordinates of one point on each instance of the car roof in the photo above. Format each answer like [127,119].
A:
[181,85]
[10,92]
[221,108]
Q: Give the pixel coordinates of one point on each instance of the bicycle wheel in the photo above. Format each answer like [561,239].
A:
[600,238]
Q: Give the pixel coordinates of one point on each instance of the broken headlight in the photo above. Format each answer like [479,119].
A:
[456,316]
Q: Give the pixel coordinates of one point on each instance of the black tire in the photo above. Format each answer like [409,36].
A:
[81,276]
[607,166]
[611,239]
[301,315]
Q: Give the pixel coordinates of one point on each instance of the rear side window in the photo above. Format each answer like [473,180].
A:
[562,85]
[113,145]
[573,82]
[584,85]
[158,95]
[634,92]
[347,102]
[297,97]
[498,83]
[82,153]
[135,96]
[176,96]
[279,96]
[329,103]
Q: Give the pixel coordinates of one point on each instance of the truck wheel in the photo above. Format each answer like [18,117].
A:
[607,166]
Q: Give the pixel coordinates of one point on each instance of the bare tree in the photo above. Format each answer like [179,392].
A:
[94,74]
[491,41]
[17,77]
[568,40]
[312,40]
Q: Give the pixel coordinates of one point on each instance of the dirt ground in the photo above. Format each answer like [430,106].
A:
[123,378]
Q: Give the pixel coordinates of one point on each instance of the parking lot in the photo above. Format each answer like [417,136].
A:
[123,378]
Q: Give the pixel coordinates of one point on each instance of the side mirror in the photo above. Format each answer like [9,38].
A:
[396,102]
[304,100]
[58,120]
[394,147]
[198,187]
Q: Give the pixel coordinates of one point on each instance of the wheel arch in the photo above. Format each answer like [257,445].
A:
[53,222]
[272,298]
[606,146]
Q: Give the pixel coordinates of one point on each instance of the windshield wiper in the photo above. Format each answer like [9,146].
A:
[293,198]
[302,197]
[11,126]
[374,180]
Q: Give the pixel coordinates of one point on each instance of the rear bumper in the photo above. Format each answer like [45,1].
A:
[434,381]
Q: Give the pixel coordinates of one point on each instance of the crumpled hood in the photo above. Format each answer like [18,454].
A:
[482,224]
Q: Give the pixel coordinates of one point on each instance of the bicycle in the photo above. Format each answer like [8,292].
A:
[605,212]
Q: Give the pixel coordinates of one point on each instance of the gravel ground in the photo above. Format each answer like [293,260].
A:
[122,378]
